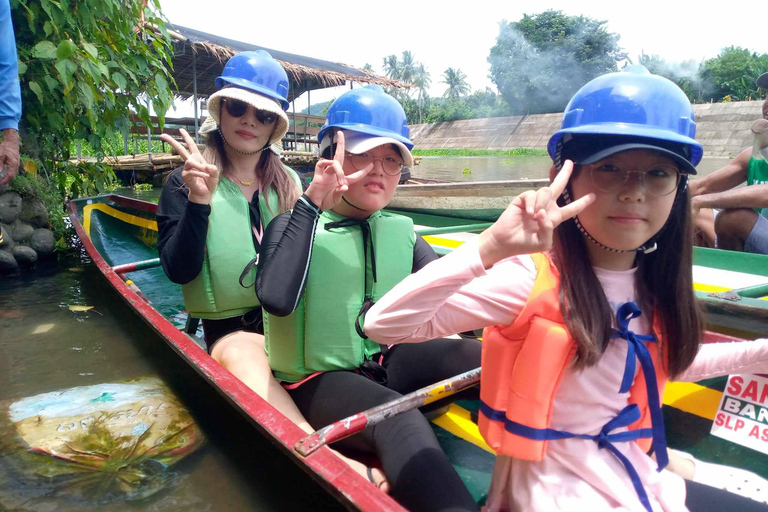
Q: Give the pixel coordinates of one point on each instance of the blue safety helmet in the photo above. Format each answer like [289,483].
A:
[257,72]
[368,110]
[632,103]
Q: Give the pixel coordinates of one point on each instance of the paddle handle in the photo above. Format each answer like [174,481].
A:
[358,422]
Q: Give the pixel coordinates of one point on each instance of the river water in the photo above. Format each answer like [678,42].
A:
[47,347]
[490,168]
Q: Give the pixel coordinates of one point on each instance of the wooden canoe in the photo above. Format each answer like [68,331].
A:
[116,230]
[473,200]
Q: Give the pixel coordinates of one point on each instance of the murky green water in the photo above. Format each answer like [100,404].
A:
[46,347]
[489,168]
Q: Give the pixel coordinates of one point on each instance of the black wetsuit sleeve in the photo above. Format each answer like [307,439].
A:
[422,254]
[182,229]
[284,260]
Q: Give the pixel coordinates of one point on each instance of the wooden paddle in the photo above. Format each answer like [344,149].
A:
[358,422]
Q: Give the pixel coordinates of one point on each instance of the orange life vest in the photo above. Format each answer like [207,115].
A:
[523,364]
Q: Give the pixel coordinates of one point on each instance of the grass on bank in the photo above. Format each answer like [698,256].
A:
[480,152]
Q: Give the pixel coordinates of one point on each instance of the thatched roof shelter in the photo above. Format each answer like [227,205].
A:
[201,57]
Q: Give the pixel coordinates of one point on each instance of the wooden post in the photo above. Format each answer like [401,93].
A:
[149,132]
[194,92]
[309,113]
[295,145]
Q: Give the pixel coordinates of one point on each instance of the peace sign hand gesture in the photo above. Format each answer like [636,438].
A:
[329,182]
[200,177]
[526,226]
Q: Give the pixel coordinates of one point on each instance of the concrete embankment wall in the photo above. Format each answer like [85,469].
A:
[723,129]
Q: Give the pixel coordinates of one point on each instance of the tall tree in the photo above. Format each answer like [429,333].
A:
[539,62]
[732,74]
[456,81]
[408,68]
[392,67]
[422,81]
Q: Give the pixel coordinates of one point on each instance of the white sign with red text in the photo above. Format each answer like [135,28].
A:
[742,416]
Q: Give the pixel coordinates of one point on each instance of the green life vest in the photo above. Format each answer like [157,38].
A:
[320,334]
[757,174]
[216,291]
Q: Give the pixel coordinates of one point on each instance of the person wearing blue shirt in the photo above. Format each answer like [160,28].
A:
[10,97]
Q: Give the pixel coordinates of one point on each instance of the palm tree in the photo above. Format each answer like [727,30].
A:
[392,67]
[456,82]
[422,81]
[407,68]
[368,68]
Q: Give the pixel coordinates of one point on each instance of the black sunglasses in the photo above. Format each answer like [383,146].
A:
[237,108]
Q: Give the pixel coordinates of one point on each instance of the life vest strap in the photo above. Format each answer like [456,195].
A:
[636,349]
[604,439]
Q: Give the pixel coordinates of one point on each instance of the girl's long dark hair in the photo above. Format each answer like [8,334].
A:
[664,287]
[270,171]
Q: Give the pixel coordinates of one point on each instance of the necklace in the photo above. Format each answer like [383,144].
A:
[245,183]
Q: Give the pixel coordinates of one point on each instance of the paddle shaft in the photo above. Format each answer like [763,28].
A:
[136,265]
[358,422]
[135,289]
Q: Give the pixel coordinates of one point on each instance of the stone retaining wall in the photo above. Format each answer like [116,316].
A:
[723,129]
[25,234]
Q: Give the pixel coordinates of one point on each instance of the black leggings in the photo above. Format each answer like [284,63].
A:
[420,475]
[704,498]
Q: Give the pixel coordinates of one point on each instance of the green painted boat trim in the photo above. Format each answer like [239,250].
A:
[756,264]
[466,228]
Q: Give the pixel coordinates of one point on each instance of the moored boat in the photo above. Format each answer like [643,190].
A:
[475,200]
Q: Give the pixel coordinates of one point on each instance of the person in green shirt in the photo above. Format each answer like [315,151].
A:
[727,215]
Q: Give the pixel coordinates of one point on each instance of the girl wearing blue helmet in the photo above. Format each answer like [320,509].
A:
[585,290]
[213,211]
[324,264]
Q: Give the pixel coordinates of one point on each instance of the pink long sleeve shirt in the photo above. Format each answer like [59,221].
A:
[456,294]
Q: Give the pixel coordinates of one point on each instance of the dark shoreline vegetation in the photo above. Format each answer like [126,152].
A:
[480,152]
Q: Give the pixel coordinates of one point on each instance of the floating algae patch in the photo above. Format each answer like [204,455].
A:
[101,443]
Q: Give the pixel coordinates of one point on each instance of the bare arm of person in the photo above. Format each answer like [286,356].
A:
[730,176]
[755,196]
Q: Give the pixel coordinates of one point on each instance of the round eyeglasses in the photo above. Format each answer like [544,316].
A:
[658,179]
[391,165]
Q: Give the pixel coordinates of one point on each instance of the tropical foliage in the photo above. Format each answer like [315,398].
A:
[85,67]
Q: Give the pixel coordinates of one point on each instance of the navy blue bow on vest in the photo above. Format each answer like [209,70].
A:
[636,349]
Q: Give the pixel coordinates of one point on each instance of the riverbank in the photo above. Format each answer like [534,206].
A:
[722,128]
[479,152]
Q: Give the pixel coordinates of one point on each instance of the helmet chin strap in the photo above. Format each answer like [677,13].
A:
[353,206]
[237,150]
[647,248]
